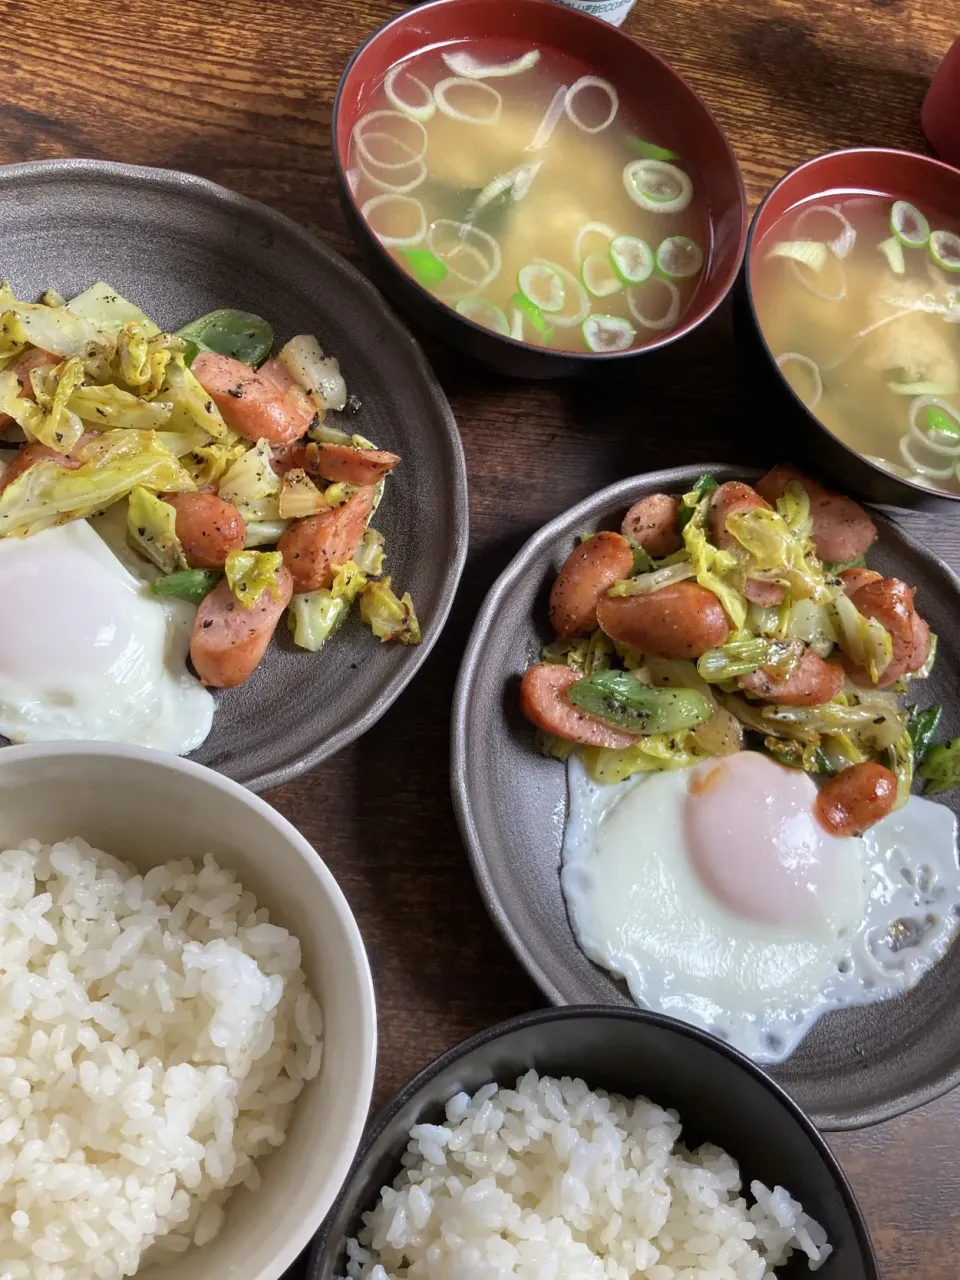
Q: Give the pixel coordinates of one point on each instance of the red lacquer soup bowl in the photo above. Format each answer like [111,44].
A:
[778,412]
[639,74]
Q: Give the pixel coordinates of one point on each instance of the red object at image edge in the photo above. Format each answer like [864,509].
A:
[940,116]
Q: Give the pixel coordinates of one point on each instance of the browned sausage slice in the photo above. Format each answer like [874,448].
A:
[262,404]
[766,594]
[588,572]
[544,701]
[341,463]
[890,601]
[680,621]
[652,524]
[208,528]
[315,547]
[842,530]
[854,579]
[856,798]
[229,640]
[812,681]
[29,455]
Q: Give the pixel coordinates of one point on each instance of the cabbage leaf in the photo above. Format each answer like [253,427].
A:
[252,485]
[250,573]
[315,616]
[654,753]
[114,465]
[109,406]
[717,571]
[152,530]
[388,617]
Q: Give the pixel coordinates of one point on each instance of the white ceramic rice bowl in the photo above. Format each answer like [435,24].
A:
[146,808]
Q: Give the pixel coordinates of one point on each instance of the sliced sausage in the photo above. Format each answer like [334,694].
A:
[228,639]
[842,530]
[680,621]
[588,572]
[890,601]
[29,455]
[856,798]
[812,681]
[341,462]
[315,547]
[264,404]
[652,524]
[208,528]
[34,358]
[734,498]
[853,579]
[544,701]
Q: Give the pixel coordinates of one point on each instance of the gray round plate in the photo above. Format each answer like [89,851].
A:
[179,246]
[857,1066]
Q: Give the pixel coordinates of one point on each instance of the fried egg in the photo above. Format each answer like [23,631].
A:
[86,652]
[719,898]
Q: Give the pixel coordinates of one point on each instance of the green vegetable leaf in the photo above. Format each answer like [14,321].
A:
[426,266]
[238,334]
[533,314]
[650,150]
[642,562]
[685,512]
[833,568]
[621,700]
[941,769]
[922,726]
[799,755]
[187,584]
[941,422]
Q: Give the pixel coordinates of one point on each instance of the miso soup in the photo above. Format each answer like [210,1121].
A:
[534,197]
[858,298]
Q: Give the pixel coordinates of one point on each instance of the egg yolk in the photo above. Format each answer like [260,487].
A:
[752,839]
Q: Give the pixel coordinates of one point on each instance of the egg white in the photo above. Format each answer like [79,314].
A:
[639,909]
[86,652]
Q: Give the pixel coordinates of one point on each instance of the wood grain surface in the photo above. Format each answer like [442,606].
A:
[241,92]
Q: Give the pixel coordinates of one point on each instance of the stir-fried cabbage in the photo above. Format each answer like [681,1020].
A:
[317,615]
[55,329]
[252,485]
[190,405]
[864,640]
[812,622]
[644,583]
[250,573]
[108,309]
[317,374]
[585,654]
[262,533]
[901,762]
[717,571]
[116,463]
[778,553]
[387,616]
[745,654]
[650,754]
[108,406]
[299,496]
[371,553]
[152,529]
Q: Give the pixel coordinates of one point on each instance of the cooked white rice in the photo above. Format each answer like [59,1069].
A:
[550,1181]
[154,1033]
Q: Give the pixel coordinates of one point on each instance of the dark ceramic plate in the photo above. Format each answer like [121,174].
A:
[857,1066]
[720,1096]
[179,246]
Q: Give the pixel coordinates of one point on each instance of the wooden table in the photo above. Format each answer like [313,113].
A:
[241,91]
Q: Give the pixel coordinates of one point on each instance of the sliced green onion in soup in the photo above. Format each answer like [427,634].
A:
[841,243]
[591,229]
[413,147]
[919,388]
[936,424]
[608,333]
[938,472]
[576,296]
[909,225]
[632,259]
[425,266]
[390,238]
[650,150]
[598,275]
[679,258]
[657,186]
[942,423]
[516,183]
[516,325]
[467,66]
[533,313]
[584,84]
[484,313]
[812,253]
[794,360]
[421,110]
[443,89]
[451,241]
[551,118]
[945,250]
[524,179]
[892,250]
[543,285]
[646,303]
[399,184]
